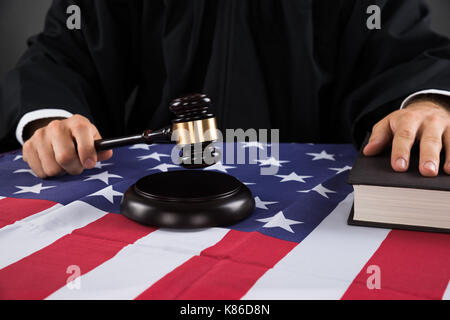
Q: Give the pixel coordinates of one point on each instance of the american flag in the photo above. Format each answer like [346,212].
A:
[64,238]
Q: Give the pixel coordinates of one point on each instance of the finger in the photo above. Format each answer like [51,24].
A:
[65,153]
[404,137]
[47,158]
[430,147]
[31,157]
[84,133]
[379,139]
[446,140]
[102,155]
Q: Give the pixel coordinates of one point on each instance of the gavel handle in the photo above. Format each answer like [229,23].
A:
[148,137]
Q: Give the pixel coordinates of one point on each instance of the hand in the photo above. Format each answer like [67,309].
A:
[51,150]
[426,121]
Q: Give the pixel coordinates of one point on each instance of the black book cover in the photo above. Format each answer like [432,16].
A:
[377,171]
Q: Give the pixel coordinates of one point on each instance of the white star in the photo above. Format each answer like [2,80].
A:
[320,189]
[108,193]
[104,176]
[18,157]
[279,221]
[262,204]
[143,146]
[27,171]
[100,165]
[34,189]
[272,162]
[340,170]
[255,144]
[219,167]
[322,155]
[292,177]
[154,155]
[163,167]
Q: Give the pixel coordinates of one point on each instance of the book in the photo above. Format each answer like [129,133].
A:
[399,200]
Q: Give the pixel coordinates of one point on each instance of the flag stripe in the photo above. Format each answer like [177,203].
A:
[325,263]
[85,248]
[35,232]
[139,265]
[412,265]
[12,210]
[226,270]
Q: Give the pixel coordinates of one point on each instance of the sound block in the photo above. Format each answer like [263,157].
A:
[187,199]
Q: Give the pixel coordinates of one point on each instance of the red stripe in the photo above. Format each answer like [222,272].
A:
[413,265]
[12,210]
[226,270]
[43,272]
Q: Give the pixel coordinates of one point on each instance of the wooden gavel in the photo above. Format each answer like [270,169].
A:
[194,126]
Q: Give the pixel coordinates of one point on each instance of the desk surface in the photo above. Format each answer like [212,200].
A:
[64,238]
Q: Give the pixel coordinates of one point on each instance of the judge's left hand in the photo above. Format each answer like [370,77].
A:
[426,121]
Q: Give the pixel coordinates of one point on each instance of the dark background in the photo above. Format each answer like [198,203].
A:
[20,19]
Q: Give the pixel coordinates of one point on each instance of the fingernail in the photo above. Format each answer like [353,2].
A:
[89,164]
[401,163]
[429,165]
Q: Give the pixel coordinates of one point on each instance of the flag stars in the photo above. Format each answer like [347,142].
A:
[340,170]
[26,171]
[33,189]
[293,177]
[164,167]
[321,156]
[100,165]
[108,193]
[154,155]
[320,189]
[142,146]
[263,204]
[279,221]
[271,162]
[103,176]
[219,166]
[253,144]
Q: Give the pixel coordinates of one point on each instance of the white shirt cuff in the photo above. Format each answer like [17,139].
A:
[36,115]
[428,91]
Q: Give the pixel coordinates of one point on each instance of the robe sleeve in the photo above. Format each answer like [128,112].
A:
[86,71]
[380,68]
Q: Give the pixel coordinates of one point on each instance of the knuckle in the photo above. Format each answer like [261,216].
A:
[409,116]
[27,147]
[406,133]
[434,119]
[77,118]
[64,157]
[54,125]
[431,139]
[80,126]
[39,133]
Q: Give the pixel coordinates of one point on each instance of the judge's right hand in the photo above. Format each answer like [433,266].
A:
[57,146]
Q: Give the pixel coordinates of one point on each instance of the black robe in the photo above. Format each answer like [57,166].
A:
[308,67]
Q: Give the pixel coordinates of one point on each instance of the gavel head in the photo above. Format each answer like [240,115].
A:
[194,129]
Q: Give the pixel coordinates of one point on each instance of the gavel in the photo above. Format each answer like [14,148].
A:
[194,129]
